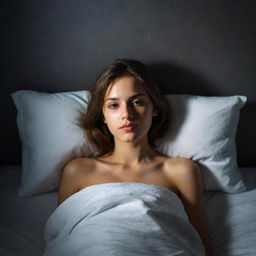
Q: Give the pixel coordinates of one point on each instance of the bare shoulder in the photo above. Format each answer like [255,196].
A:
[181,163]
[79,165]
[180,169]
[73,175]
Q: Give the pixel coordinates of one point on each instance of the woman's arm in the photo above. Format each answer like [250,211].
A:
[186,176]
[68,182]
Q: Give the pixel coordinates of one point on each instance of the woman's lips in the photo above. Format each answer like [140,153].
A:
[128,127]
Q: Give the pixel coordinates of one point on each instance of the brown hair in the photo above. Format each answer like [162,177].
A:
[92,120]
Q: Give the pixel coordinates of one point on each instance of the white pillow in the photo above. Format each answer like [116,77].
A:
[203,129]
[49,136]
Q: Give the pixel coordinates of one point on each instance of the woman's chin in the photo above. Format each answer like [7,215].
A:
[131,138]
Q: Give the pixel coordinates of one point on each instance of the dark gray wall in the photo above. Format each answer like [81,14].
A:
[197,47]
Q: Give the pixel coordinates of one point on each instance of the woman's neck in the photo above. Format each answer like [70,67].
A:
[132,154]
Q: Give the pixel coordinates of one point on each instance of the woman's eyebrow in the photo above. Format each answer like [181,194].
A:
[132,97]
[137,95]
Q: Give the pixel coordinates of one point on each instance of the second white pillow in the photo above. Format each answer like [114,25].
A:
[204,130]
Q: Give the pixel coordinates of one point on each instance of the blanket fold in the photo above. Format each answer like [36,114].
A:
[121,219]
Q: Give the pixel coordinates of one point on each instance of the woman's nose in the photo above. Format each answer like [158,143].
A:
[127,112]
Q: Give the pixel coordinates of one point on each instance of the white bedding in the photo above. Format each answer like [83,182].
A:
[232,218]
[122,219]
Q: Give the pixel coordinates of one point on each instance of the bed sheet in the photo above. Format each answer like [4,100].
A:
[231,217]
[22,220]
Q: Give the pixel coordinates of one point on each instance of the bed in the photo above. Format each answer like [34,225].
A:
[232,217]
[203,54]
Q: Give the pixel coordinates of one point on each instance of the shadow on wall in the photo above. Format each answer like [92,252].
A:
[246,139]
[174,79]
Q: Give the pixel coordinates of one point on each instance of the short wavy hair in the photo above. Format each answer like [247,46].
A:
[92,121]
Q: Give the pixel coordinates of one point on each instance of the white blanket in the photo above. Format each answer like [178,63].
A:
[121,219]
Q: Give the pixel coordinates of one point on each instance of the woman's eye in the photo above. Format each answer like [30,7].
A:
[138,103]
[113,106]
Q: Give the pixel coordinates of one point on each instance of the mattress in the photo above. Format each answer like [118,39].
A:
[231,217]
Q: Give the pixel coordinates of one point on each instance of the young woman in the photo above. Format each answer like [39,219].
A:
[125,116]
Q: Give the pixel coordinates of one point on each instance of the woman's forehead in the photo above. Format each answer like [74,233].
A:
[125,86]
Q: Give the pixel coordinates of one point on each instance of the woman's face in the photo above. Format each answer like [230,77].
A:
[127,110]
